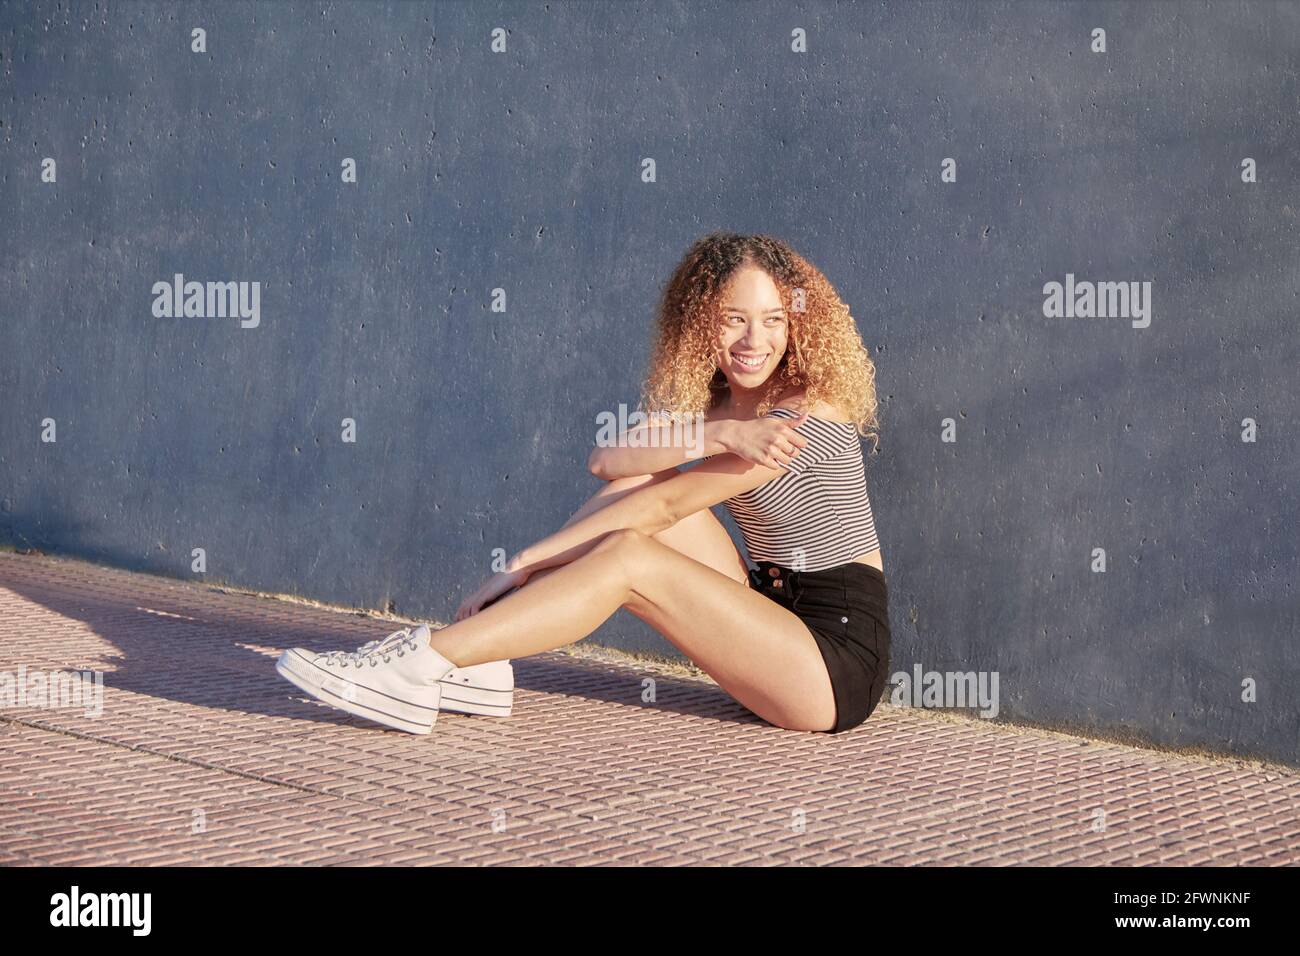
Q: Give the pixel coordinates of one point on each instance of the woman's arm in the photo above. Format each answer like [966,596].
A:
[649,510]
[653,508]
[764,441]
[658,454]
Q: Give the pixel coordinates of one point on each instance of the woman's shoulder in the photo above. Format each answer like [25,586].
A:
[797,402]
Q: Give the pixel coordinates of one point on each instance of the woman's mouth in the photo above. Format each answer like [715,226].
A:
[750,363]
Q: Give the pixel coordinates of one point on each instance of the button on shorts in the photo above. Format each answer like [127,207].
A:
[846,609]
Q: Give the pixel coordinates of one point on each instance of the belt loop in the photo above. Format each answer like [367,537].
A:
[796,591]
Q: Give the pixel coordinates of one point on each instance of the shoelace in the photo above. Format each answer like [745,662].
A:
[371,651]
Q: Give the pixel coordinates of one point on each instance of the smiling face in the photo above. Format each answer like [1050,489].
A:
[754,329]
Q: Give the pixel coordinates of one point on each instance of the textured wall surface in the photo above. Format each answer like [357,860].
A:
[521,170]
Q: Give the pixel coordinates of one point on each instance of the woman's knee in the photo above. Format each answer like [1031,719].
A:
[621,539]
[624,549]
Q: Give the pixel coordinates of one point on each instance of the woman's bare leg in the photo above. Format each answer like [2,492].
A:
[757,651]
[700,535]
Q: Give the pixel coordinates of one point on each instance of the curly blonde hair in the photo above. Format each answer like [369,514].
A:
[824,352]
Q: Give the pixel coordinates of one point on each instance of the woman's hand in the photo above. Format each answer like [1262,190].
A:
[766,441]
[492,589]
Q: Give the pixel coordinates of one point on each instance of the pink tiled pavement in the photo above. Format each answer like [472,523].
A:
[203,754]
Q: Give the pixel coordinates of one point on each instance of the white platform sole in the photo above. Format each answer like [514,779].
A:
[486,689]
[413,716]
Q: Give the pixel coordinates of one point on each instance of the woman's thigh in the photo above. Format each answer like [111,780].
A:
[757,651]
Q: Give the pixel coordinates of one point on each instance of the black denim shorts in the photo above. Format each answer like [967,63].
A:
[847,611]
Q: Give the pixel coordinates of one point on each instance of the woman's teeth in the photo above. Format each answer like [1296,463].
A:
[749,362]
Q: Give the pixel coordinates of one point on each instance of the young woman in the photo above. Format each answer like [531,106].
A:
[753,338]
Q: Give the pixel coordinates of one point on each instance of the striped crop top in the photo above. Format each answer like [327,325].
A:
[817,515]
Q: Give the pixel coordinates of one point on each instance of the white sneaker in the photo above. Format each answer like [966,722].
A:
[396,681]
[487,689]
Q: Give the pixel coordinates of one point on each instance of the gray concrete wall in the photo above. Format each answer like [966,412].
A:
[521,170]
